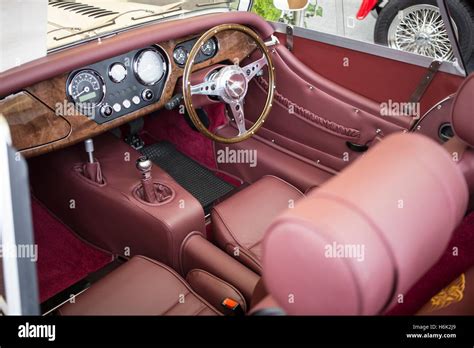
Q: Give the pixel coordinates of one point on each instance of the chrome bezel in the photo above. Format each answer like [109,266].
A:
[214,49]
[136,62]
[69,86]
[109,72]
[174,55]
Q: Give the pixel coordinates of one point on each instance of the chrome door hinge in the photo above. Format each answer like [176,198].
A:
[272,42]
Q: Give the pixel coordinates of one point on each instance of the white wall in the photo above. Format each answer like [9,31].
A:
[22,31]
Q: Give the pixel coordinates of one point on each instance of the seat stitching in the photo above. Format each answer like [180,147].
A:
[181,280]
[227,228]
[249,254]
[175,304]
[286,183]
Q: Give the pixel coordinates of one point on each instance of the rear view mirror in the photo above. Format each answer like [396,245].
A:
[291,5]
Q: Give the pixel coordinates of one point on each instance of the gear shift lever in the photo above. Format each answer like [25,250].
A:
[144,166]
[91,169]
[150,191]
[89,145]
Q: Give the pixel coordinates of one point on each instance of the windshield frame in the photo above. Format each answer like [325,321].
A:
[244,5]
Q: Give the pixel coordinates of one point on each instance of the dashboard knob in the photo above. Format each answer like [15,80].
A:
[117,107]
[147,94]
[126,103]
[106,110]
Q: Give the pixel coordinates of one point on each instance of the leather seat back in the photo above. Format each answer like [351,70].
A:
[360,241]
[463,111]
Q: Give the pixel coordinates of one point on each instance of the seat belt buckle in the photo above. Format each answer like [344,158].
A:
[233,306]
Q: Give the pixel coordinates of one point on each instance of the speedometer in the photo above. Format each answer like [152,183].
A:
[149,66]
[86,89]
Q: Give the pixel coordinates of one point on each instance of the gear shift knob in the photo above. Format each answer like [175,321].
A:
[89,145]
[144,164]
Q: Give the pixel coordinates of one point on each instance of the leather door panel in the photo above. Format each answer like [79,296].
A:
[320,105]
[374,77]
[314,117]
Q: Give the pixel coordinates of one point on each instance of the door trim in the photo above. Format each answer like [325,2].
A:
[366,47]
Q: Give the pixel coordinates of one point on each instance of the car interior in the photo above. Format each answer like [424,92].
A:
[207,169]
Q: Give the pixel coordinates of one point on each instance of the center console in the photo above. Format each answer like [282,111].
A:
[115,212]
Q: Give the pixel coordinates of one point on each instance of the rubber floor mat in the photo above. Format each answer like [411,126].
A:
[196,179]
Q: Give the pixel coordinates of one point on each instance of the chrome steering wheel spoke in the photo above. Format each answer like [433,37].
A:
[206,88]
[237,108]
[254,68]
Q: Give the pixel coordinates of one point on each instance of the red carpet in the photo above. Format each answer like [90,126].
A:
[171,126]
[63,259]
[448,268]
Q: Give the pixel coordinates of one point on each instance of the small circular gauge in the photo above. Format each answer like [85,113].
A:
[180,55]
[86,89]
[117,72]
[208,48]
[149,66]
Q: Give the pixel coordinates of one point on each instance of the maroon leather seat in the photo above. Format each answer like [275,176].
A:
[141,286]
[240,221]
[308,268]
[357,244]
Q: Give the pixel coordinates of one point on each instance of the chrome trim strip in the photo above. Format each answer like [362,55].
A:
[7,225]
[416,125]
[70,299]
[459,62]
[366,47]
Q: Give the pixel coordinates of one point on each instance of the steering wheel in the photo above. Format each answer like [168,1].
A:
[229,85]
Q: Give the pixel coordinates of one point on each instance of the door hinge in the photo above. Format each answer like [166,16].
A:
[289,37]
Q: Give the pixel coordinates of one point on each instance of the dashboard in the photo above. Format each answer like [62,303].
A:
[115,87]
[85,90]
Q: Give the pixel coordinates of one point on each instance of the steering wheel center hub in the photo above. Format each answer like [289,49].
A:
[234,83]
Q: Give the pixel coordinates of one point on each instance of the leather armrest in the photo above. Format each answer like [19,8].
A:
[198,253]
[214,290]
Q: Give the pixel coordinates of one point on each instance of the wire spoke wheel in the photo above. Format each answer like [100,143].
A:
[420,29]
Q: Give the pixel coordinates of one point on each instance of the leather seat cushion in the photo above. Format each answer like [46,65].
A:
[241,220]
[141,286]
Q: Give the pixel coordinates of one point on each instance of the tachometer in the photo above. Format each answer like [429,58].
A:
[149,66]
[86,89]
[209,47]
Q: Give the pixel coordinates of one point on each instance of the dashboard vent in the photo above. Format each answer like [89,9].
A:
[82,9]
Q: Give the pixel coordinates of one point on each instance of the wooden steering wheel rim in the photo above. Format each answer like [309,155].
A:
[187,96]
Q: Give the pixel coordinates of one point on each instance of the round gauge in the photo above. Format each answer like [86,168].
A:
[180,55]
[117,72]
[149,66]
[208,48]
[86,89]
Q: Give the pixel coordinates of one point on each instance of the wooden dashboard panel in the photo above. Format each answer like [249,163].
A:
[233,47]
[32,124]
